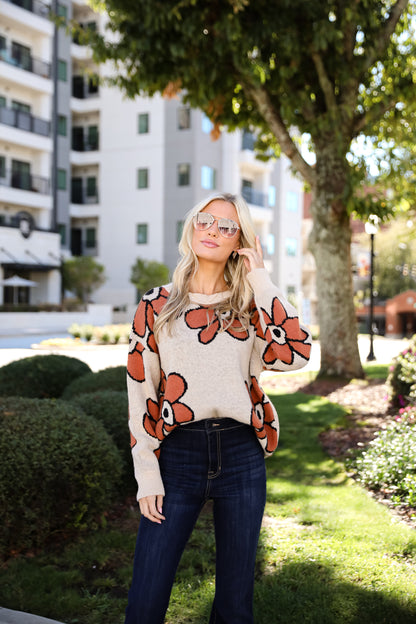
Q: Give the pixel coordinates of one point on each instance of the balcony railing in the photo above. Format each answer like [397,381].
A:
[34,6]
[254,197]
[24,121]
[248,141]
[25,181]
[80,196]
[85,144]
[26,62]
[83,89]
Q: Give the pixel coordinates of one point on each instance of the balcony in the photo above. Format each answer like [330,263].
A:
[27,62]
[248,141]
[83,88]
[25,182]
[82,195]
[34,6]
[84,142]
[257,198]
[24,121]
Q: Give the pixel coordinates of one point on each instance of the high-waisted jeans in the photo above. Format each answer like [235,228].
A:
[218,459]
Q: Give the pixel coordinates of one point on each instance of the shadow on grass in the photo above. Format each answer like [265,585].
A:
[310,593]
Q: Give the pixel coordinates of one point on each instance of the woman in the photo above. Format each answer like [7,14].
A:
[200,423]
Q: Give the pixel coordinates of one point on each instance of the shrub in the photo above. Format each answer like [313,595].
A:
[112,378]
[110,407]
[40,376]
[58,471]
[389,462]
[402,376]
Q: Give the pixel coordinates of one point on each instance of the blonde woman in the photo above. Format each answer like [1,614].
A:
[200,423]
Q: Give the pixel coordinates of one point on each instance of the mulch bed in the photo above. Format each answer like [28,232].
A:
[368,412]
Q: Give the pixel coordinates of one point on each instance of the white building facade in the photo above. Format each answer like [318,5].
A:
[127,172]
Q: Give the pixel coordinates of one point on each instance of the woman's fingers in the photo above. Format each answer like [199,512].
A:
[253,257]
[151,508]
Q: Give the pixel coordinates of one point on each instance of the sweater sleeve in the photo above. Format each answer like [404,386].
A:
[143,379]
[283,343]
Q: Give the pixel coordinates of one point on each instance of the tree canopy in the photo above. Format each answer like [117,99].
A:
[339,72]
[82,275]
[147,274]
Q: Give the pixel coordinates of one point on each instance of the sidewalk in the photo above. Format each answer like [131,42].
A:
[18,617]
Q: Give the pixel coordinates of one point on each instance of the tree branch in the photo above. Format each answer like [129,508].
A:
[277,126]
[375,113]
[326,85]
[385,34]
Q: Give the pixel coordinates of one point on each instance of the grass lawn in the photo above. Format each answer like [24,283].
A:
[329,554]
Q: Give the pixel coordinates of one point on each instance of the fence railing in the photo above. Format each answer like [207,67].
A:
[24,121]
[34,6]
[25,181]
[254,197]
[27,62]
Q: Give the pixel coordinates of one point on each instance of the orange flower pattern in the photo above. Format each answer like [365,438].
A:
[283,335]
[163,417]
[208,324]
[263,418]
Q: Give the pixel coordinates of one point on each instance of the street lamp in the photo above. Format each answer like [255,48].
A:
[371,228]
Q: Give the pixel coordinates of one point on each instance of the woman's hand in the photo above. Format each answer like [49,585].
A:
[253,258]
[151,508]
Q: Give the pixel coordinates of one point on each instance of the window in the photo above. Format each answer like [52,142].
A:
[208,178]
[91,187]
[20,107]
[62,10]
[62,70]
[272,196]
[2,166]
[291,246]
[290,290]
[179,230]
[61,179]
[92,137]
[142,229]
[184,118]
[21,55]
[90,238]
[184,174]
[62,125]
[143,123]
[207,124]
[62,233]
[292,202]
[270,244]
[2,101]
[142,178]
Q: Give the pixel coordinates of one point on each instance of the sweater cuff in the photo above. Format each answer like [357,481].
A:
[150,484]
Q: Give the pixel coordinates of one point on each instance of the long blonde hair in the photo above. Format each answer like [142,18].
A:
[238,304]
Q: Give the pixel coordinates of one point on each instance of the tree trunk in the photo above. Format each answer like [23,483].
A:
[330,243]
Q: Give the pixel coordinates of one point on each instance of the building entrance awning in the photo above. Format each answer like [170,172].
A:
[22,266]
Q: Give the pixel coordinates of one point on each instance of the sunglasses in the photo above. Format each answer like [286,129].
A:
[226,227]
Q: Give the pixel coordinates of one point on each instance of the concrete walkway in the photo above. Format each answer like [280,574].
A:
[18,617]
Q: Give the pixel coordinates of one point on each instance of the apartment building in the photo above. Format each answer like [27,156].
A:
[127,171]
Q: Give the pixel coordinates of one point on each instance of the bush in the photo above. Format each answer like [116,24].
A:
[389,462]
[110,407]
[40,376]
[402,376]
[58,471]
[112,378]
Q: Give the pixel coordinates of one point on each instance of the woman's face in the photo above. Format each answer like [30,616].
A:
[209,244]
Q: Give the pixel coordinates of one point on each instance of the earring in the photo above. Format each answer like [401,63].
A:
[235,254]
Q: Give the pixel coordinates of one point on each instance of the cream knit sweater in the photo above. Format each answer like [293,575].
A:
[201,372]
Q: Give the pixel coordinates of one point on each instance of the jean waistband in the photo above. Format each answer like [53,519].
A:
[212,424]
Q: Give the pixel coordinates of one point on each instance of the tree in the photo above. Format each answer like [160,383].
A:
[147,274]
[395,261]
[82,275]
[333,70]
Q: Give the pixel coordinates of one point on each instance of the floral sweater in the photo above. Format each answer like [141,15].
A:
[200,372]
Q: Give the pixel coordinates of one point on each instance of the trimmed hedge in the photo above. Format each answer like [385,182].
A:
[110,407]
[40,376]
[58,471]
[401,380]
[112,378]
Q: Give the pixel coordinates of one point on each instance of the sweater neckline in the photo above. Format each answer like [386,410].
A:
[203,299]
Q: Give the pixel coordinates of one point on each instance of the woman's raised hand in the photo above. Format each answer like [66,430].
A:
[151,508]
[253,257]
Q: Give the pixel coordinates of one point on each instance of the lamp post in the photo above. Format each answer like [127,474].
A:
[371,227]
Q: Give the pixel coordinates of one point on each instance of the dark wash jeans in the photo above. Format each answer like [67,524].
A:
[217,459]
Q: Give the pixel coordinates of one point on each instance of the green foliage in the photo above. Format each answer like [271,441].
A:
[110,407]
[147,274]
[402,376]
[111,378]
[57,473]
[82,275]
[40,376]
[389,463]
[395,260]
